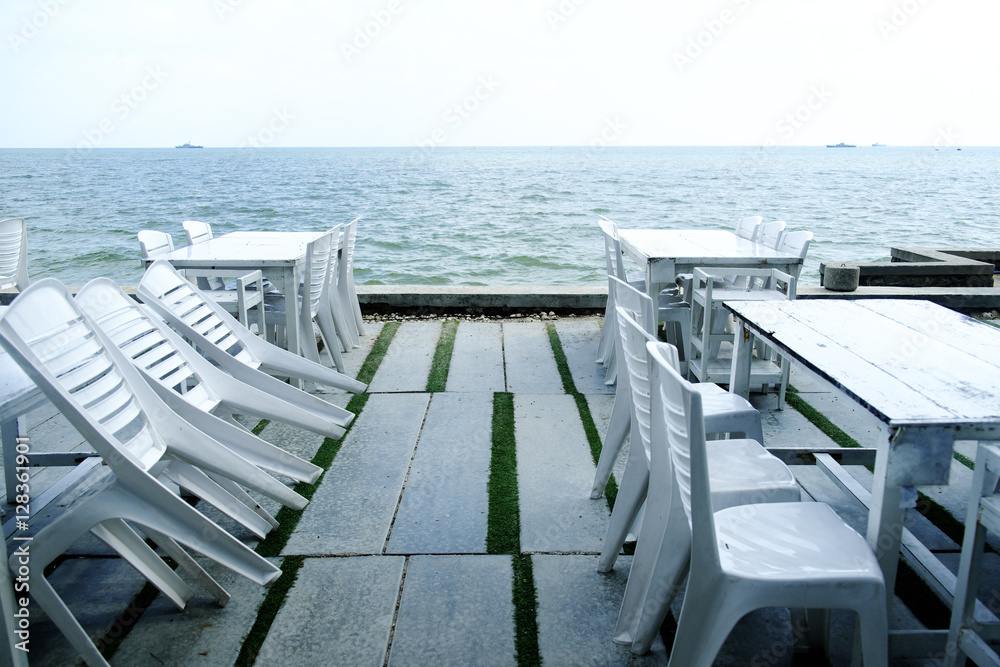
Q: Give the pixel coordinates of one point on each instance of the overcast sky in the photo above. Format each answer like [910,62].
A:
[135,73]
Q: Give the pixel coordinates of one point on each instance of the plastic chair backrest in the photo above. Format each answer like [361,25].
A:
[638,305]
[197,232]
[679,424]
[347,247]
[795,243]
[82,373]
[131,328]
[747,227]
[14,254]
[169,293]
[154,243]
[612,248]
[317,270]
[770,233]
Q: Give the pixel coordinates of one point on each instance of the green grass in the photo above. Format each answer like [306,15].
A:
[438,377]
[503,529]
[288,518]
[586,418]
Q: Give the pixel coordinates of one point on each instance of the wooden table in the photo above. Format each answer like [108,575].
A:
[280,256]
[666,252]
[926,372]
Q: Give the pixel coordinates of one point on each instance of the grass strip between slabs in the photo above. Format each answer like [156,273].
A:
[288,518]
[503,529]
[910,588]
[586,418]
[438,377]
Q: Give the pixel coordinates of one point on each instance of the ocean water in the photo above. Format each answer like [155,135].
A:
[493,216]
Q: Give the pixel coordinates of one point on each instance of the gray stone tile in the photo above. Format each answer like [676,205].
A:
[455,610]
[203,633]
[577,612]
[477,359]
[97,591]
[292,439]
[353,508]
[407,363]
[531,367]
[580,338]
[353,361]
[555,473]
[339,612]
[444,506]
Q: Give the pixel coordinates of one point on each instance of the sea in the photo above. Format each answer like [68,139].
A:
[494,215]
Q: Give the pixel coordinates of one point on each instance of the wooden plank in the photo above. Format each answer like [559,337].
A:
[853,456]
[874,388]
[943,374]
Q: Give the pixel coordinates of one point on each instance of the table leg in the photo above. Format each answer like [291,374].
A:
[885,519]
[739,379]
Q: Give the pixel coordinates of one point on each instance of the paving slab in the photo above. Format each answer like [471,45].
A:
[577,611]
[455,610]
[531,367]
[338,612]
[352,509]
[445,503]
[203,634]
[555,473]
[477,358]
[407,363]
[353,361]
[97,591]
[580,338]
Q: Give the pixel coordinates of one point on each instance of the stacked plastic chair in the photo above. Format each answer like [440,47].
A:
[795,554]
[345,282]
[13,254]
[141,440]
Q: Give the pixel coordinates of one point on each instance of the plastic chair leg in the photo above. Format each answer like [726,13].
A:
[631,495]
[708,616]
[614,440]
[190,566]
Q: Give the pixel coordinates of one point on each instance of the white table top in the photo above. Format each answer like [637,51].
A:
[700,247]
[909,362]
[244,249]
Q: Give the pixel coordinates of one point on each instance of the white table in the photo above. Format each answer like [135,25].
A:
[926,372]
[666,252]
[280,256]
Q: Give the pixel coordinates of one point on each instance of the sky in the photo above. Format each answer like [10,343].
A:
[149,73]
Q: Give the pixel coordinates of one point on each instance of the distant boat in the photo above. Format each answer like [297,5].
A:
[841,145]
[188,146]
[878,145]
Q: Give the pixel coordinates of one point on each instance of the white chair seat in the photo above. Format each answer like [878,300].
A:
[742,472]
[796,543]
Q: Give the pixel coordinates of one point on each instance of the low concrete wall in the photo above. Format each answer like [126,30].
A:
[930,267]
[481,300]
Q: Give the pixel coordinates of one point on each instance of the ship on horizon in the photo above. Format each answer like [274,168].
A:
[841,145]
[188,145]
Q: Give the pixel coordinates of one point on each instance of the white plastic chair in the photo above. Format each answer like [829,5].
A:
[333,322]
[709,320]
[725,412]
[746,228]
[174,366]
[154,244]
[14,254]
[196,232]
[770,233]
[345,282]
[306,305]
[966,632]
[795,243]
[796,554]
[635,481]
[140,439]
[231,345]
